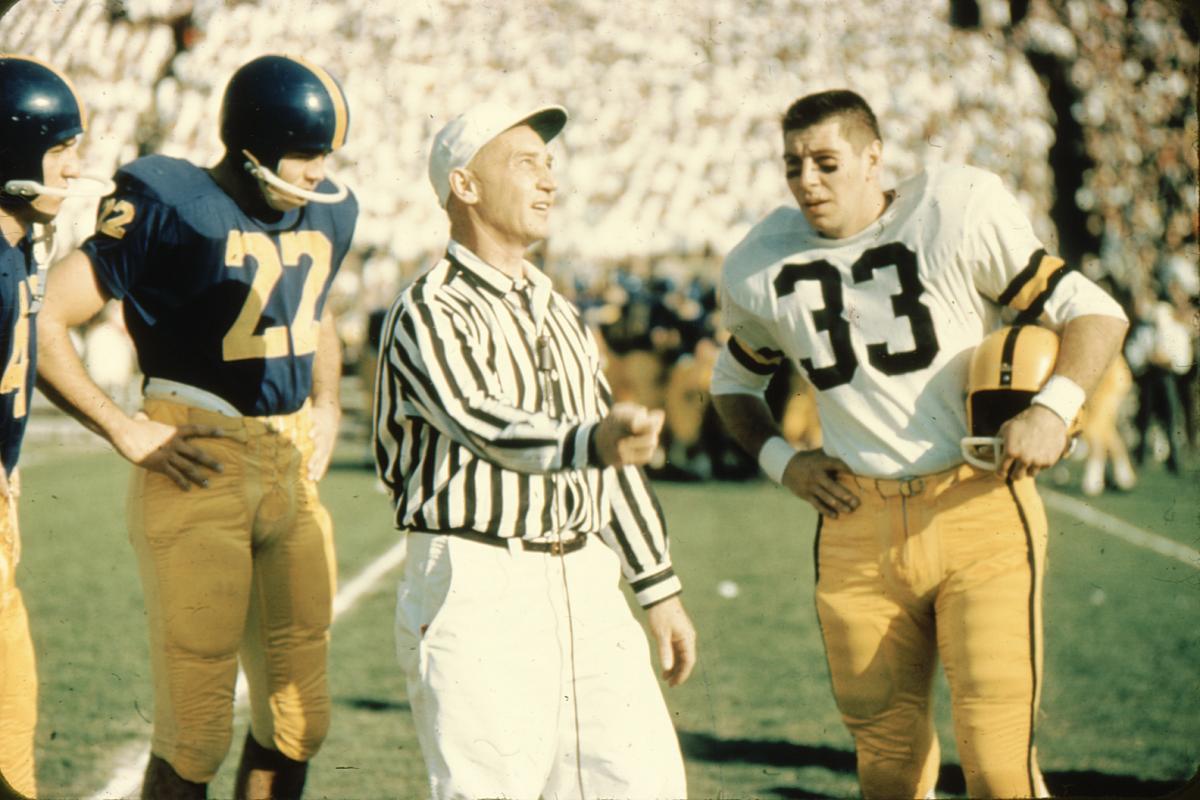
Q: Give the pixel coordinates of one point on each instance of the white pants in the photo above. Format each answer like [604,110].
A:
[513,697]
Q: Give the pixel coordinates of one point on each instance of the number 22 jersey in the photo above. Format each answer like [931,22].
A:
[883,322]
[213,297]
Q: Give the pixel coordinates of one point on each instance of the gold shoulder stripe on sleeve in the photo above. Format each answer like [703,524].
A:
[762,362]
[1036,286]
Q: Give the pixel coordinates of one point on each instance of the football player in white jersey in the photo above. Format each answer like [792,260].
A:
[879,297]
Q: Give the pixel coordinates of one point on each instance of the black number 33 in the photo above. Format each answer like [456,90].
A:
[829,319]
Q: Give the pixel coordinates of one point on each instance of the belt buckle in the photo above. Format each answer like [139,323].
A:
[557,548]
[911,487]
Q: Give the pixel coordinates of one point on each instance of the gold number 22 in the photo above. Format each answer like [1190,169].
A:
[241,342]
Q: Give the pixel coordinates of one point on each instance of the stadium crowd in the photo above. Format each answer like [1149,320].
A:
[670,161]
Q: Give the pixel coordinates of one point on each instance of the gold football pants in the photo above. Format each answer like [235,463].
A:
[950,564]
[243,568]
[18,672]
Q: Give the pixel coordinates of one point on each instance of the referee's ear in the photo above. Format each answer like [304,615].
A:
[463,186]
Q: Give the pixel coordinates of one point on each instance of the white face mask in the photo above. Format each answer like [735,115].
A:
[82,186]
[261,173]
[987,452]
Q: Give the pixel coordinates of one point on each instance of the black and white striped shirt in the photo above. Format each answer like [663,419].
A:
[485,402]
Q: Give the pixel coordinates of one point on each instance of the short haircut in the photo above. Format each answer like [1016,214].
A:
[860,126]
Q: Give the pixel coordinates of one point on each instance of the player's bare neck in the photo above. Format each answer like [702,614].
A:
[875,207]
[243,189]
[872,211]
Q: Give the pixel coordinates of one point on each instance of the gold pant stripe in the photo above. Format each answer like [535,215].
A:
[1035,642]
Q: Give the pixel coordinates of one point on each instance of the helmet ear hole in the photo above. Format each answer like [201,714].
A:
[990,409]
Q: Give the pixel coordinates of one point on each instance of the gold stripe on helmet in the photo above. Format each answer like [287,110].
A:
[341,114]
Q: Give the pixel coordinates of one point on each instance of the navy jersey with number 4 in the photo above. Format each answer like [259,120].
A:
[213,297]
[18,348]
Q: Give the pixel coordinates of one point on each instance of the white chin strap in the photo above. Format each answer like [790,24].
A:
[45,245]
[274,181]
[92,186]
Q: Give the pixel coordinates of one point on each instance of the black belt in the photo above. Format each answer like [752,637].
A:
[555,548]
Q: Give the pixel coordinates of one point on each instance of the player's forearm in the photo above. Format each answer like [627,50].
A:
[1089,344]
[747,419]
[327,366]
[54,396]
[73,297]
[64,380]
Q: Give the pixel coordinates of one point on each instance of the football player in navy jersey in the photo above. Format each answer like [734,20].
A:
[41,122]
[224,273]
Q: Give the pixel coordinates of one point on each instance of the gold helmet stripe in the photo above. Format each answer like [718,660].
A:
[341,113]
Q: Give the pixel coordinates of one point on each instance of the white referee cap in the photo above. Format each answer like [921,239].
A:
[465,135]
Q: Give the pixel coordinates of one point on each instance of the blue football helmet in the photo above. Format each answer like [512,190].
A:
[39,109]
[275,105]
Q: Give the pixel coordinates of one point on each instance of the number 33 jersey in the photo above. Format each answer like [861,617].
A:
[214,297]
[883,322]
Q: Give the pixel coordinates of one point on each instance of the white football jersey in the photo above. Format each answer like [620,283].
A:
[883,322]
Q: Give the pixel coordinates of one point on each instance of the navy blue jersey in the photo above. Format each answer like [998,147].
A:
[18,344]
[214,297]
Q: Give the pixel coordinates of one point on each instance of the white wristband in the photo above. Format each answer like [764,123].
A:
[774,457]
[1063,396]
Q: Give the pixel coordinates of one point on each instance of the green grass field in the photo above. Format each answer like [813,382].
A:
[1121,709]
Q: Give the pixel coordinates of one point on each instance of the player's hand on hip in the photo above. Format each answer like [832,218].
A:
[325,421]
[812,475]
[167,449]
[628,435]
[676,638]
[1033,440]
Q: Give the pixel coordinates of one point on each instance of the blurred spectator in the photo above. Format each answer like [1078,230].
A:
[1161,350]
[1101,435]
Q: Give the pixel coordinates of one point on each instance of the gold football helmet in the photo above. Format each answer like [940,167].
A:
[1007,369]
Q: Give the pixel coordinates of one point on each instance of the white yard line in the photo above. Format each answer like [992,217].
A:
[126,777]
[1121,529]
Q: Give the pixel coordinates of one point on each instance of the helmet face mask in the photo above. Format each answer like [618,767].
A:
[41,112]
[1007,369]
[278,106]
[282,194]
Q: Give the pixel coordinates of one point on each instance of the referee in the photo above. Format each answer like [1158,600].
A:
[518,484]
